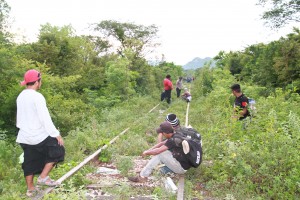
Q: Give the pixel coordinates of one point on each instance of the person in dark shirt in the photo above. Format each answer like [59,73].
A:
[240,104]
[168,152]
[173,120]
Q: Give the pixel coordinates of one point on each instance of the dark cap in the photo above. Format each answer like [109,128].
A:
[165,127]
[172,118]
[235,87]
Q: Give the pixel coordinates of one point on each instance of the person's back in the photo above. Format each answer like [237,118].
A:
[187,95]
[32,106]
[168,86]
[190,133]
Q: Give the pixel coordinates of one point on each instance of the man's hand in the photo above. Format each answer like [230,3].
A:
[60,140]
[144,154]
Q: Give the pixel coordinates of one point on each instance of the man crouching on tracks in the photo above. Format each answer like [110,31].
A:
[169,152]
[38,137]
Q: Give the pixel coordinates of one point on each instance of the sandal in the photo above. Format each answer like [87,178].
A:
[32,193]
[47,181]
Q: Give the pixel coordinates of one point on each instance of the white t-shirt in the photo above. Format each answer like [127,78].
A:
[179,84]
[33,118]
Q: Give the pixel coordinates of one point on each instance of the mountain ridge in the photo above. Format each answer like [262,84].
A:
[197,63]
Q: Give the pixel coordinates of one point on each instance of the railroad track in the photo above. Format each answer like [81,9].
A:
[180,186]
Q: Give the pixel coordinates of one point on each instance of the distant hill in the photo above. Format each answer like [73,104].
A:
[197,63]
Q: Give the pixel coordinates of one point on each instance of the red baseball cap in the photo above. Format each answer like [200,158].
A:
[31,76]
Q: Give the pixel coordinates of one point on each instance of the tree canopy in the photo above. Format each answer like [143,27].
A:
[281,12]
[129,36]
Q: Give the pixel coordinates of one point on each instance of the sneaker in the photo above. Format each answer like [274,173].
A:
[137,179]
[185,146]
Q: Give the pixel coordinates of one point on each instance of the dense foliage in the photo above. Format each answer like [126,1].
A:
[272,65]
[94,90]
[253,159]
[76,78]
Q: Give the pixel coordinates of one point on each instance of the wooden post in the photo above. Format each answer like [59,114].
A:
[180,193]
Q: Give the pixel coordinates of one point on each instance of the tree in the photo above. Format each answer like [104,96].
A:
[129,36]
[4,13]
[287,62]
[281,12]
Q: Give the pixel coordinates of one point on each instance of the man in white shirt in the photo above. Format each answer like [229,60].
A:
[38,137]
[179,86]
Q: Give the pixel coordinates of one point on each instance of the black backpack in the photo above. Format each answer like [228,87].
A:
[195,153]
[195,145]
[189,133]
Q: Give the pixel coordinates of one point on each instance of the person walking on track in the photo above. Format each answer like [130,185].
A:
[40,140]
[178,86]
[168,87]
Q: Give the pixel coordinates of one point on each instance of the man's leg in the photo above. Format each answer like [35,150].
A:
[147,170]
[166,158]
[47,169]
[178,92]
[168,96]
[29,182]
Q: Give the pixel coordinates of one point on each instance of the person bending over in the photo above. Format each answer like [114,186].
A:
[173,120]
[169,152]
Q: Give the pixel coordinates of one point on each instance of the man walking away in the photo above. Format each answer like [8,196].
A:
[179,86]
[38,137]
[168,86]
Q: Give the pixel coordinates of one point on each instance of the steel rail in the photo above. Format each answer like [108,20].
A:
[180,186]
[80,165]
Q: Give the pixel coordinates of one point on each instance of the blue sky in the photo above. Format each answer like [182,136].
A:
[187,29]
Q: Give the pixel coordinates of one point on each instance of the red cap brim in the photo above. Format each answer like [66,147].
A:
[23,83]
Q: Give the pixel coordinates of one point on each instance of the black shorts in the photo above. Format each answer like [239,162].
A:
[36,156]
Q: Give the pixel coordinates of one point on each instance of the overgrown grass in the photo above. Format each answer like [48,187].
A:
[256,162]
[260,161]
[79,144]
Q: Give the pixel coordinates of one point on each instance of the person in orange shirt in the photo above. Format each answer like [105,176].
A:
[168,86]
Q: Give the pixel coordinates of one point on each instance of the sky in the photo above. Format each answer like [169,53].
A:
[187,28]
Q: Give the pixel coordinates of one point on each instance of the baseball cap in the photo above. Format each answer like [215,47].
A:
[172,118]
[31,75]
[165,127]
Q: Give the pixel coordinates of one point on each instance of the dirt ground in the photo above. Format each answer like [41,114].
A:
[107,176]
